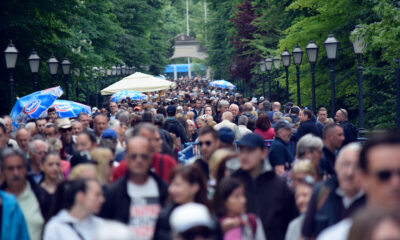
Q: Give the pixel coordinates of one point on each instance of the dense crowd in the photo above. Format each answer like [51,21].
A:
[257,171]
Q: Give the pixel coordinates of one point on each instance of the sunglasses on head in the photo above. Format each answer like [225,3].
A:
[207,143]
[65,129]
[386,175]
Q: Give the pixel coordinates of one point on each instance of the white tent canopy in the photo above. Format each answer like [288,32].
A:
[139,82]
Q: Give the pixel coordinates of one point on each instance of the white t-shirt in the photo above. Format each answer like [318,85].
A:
[145,208]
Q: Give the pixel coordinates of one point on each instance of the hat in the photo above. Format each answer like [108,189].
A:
[254,100]
[109,134]
[171,110]
[190,215]
[81,157]
[251,140]
[226,135]
[137,109]
[282,124]
[64,123]
[261,99]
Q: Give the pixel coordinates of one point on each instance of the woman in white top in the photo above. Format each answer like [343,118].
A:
[75,203]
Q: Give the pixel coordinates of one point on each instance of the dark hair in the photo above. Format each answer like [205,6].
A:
[8,152]
[135,119]
[209,130]
[109,143]
[193,175]
[309,113]
[3,127]
[64,197]
[82,114]
[328,128]
[224,189]
[51,110]
[375,141]
[148,117]
[263,122]
[40,119]
[90,135]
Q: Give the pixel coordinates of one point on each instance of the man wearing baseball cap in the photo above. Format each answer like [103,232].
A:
[267,194]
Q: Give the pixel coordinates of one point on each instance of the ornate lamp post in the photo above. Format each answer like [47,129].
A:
[52,64]
[331,45]
[95,74]
[114,72]
[262,70]
[34,63]
[66,68]
[286,63]
[312,55]
[11,55]
[268,65]
[277,64]
[297,59]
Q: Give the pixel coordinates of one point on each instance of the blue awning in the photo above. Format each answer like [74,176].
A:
[181,68]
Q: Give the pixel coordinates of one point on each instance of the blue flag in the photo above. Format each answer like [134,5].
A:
[33,105]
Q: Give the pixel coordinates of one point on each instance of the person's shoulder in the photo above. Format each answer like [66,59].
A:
[338,231]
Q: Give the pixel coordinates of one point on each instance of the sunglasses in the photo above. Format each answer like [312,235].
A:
[386,175]
[65,129]
[207,143]
[135,156]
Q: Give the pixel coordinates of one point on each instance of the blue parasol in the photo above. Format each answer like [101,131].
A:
[69,109]
[116,97]
[222,84]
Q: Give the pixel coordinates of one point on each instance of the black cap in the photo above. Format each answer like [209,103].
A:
[282,124]
[226,135]
[171,110]
[252,140]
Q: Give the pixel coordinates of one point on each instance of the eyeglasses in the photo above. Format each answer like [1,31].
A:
[386,175]
[134,156]
[65,130]
[207,143]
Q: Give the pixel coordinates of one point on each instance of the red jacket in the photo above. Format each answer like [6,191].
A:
[162,164]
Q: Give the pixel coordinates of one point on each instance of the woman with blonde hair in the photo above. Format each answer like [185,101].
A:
[84,170]
[105,164]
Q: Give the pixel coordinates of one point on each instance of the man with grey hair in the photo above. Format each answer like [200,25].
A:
[234,109]
[310,147]
[227,122]
[123,117]
[33,200]
[222,107]
[243,130]
[277,116]
[276,107]
[248,112]
[37,151]
[23,137]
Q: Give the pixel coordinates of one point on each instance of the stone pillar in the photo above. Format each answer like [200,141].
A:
[175,73]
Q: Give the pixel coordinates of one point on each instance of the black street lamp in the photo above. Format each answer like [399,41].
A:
[277,64]
[397,94]
[297,58]
[285,56]
[52,63]
[103,80]
[268,65]
[123,70]
[11,55]
[109,74]
[358,45]
[34,63]
[312,55]
[262,70]
[95,74]
[331,45]
[114,73]
[118,72]
[66,68]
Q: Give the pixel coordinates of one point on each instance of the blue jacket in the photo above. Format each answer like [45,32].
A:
[13,225]
[279,153]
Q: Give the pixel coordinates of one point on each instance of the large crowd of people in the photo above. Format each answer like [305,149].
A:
[259,170]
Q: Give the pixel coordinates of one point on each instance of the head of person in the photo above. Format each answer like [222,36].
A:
[380,170]
[86,141]
[138,157]
[188,184]
[51,166]
[305,115]
[171,111]
[301,170]
[65,128]
[100,124]
[223,106]
[283,130]
[276,106]
[243,120]
[77,127]
[229,198]
[322,115]
[14,165]
[201,122]
[266,106]
[190,115]
[84,195]
[105,164]
[252,152]
[294,111]
[198,104]
[277,116]
[310,147]
[208,110]
[23,137]
[37,150]
[31,127]
[341,115]
[333,136]
[40,125]
[51,131]
[234,109]
[190,127]
[84,119]
[208,142]
[248,107]
[227,116]
[8,123]
[150,132]
[263,122]
[3,136]
[218,161]
[375,224]
[113,108]
[51,114]
[346,169]
[303,192]
[84,170]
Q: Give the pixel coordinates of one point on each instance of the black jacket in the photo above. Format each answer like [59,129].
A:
[269,198]
[174,126]
[307,127]
[327,162]
[326,208]
[118,202]
[350,132]
[279,153]
[163,228]
[44,198]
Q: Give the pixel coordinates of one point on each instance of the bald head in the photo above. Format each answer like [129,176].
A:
[276,106]
[234,109]
[23,137]
[248,107]
[227,116]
